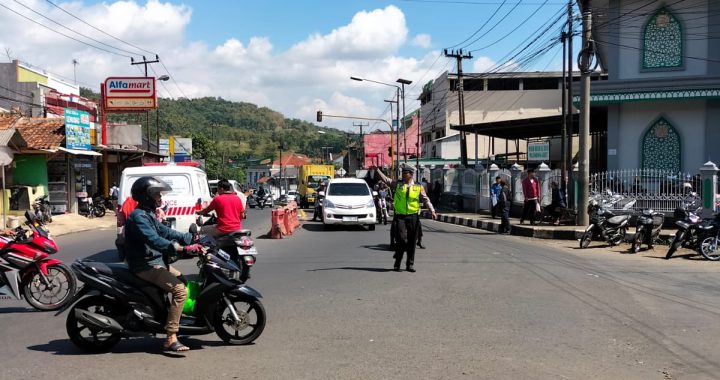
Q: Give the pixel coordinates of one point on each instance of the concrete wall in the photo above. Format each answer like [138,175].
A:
[630,37]
[629,122]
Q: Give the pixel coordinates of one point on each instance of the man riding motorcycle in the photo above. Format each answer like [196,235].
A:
[229,210]
[147,240]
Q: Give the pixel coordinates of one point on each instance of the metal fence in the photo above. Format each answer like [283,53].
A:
[660,190]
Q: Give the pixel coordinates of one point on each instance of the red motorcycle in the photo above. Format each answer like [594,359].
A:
[26,270]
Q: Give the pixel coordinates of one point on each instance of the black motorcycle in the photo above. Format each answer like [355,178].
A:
[688,233]
[318,209]
[115,303]
[265,201]
[647,231]
[605,226]
[43,209]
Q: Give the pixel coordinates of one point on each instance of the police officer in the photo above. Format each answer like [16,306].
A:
[406,201]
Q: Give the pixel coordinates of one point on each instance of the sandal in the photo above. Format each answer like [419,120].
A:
[176,346]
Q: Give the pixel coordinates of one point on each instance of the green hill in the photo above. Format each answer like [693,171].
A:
[236,133]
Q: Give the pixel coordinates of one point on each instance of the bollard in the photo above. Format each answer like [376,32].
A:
[287,221]
[281,221]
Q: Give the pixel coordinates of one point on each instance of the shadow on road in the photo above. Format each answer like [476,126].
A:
[18,310]
[379,247]
[127,346]
[353,268]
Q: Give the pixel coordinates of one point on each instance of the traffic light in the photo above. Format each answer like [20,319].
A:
[319,116]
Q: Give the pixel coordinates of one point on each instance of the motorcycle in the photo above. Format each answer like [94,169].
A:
[115,303]
[709,232]
[604,225]
[318,210]
[648,227]
[43,209]
[265,201]
[103,203]
[26,269]
[688,222]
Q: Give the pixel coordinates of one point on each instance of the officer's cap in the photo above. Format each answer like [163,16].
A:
[407,168]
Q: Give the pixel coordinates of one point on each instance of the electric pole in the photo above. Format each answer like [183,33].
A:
[584,160]
[563,133]
[145,62]
[569,116]
[459,56]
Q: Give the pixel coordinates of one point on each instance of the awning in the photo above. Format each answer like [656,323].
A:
[536,127]
[79,152]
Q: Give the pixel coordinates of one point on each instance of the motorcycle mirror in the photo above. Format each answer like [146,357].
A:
[321,193]
[375,193]
[193,228]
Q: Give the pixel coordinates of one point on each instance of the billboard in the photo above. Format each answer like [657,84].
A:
[538,151]
[129,93]
[182,148]
[77,129]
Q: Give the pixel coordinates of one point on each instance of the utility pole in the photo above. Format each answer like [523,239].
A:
[417,146]
[563,134]
[145,62]
[75,62]
[459,56]
[569,103]
[584,160]
[362,141]
[393,168]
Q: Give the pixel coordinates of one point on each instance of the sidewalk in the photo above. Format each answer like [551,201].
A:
[540,231]
[71,223]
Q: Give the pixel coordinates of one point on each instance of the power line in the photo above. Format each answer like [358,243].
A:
[513,30]
[492,28]
[481,27]
[98,29]
[172,78]
[63,34]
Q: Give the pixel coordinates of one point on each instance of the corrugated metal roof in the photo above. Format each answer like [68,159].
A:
[11,137]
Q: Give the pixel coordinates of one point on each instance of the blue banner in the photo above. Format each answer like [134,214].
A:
[77,129]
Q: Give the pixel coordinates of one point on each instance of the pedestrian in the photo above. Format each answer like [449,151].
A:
[558,202]
[114,191]
[406,202]
[531,192]
[437,191]
[494,195]
[503,206]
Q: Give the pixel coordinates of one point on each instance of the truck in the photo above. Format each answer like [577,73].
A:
[311,176]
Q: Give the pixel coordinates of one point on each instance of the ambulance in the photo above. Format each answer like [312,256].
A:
[190,193]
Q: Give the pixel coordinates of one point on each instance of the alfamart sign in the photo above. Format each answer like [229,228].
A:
[130,93]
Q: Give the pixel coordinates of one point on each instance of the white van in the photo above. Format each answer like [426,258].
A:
[213,183]
[190,192]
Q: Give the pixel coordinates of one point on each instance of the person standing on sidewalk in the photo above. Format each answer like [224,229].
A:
[406,202]
[531,191]
[494,196]
[503,206]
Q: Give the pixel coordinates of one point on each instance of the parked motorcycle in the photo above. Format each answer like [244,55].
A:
[604,225]
[43,209]
[103,204]
[688,221]
[647,231]
[26,270]
[115,303]
[709,232]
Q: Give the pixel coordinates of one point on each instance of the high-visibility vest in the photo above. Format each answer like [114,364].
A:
[407,199]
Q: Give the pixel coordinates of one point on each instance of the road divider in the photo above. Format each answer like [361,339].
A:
[284,221]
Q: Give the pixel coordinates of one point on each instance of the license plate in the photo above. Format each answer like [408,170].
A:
[350,219]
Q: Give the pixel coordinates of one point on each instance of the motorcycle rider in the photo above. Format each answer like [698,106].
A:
[229,210]
[317,211]
[146,242]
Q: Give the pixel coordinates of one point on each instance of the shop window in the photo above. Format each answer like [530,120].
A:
[662,42]
[541,84]
[661,147]
[504,84]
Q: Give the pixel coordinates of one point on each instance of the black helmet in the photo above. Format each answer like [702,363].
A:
[145,188]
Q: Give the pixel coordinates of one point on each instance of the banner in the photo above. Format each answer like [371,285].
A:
[538,151]
[77,129]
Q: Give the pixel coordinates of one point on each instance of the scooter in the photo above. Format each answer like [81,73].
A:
[26,269]
[648,227]
[43,209]
[265,201]
[688,222]
[115,303]
[604,225]
[318,210]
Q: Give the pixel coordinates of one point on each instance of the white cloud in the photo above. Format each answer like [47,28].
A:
[422,40]
[484,64]
[311,75]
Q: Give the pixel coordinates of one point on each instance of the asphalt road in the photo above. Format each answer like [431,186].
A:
[480,306]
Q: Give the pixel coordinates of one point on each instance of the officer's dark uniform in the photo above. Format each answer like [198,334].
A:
[406,202]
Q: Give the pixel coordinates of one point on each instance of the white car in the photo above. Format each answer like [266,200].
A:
[349,201]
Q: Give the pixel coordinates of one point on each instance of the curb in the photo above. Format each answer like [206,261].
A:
[521,230]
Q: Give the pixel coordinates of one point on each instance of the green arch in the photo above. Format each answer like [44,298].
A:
[661,146]
[663,45]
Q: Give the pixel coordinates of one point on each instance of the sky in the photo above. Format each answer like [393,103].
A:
[295,57]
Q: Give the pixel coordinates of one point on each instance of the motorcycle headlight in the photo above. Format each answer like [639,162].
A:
[230,274]
[328,204]
[371,203]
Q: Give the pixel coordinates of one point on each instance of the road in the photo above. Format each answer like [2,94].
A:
[480,306]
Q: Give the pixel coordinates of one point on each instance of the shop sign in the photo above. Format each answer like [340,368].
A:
[538,151]
[77,129]
[129,93]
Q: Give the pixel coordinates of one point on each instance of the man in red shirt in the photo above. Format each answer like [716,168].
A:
[229,210]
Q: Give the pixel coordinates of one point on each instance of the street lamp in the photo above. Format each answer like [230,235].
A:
[280,176]
[157,115]
[403,82]
[397,143]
